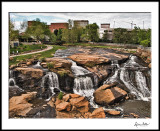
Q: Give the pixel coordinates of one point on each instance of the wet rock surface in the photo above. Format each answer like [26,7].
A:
[91,79]
[108,94]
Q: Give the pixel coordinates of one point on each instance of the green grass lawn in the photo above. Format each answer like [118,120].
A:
[44,54]
[26,48]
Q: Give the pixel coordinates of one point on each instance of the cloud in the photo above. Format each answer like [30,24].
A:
[121,19]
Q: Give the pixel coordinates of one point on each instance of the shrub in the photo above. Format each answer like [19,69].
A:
[42,59]
[145,43]
[60,95]
[50,65]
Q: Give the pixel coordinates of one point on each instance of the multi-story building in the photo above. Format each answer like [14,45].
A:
[80,23]
[58,26]
[106,27]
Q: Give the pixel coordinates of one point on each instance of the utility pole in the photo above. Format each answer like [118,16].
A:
[114,25]
[143,24]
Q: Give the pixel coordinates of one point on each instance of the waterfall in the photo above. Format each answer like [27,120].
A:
[50,82]
[83,86]
[37,66]
[140,89]
[113,78]
[12,81]
[142,85]
[124,76]
[78,70]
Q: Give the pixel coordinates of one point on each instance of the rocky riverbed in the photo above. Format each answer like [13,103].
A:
[81,83]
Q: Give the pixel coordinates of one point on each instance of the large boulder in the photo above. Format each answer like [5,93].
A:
[19,105]
[28,78]
[109,94]
[63,106]
[30,72]
[15,91]
[116,56]
[101,71]
[88,60]
[59,62]
[98,113]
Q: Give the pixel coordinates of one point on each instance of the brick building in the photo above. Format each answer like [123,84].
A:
[58,26]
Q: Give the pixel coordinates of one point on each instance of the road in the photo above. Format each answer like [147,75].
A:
[48,48]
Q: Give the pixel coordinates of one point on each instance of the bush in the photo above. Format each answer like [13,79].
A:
[145,43]
[60,95]
[50,65]
[42,59]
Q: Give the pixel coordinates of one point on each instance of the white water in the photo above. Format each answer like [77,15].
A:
[140,90]
[78,70]
[83,86]
[52,82]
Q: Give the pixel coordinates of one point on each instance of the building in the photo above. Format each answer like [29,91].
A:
[80,23]
[106,27]
[58,26]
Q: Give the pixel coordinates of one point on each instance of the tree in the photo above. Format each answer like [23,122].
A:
[105,36]
[120,35]
[13,34]
[70,24]
[39,30]
[66,35]
[92,32]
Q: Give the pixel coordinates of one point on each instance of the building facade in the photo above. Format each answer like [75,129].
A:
[106,27]
[58,26]
[80,23]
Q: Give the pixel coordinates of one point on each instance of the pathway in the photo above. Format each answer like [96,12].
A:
[48,48]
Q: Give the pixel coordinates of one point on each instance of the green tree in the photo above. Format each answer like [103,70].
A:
[39,30]
[120,35]
[92,32]
[13,34]
[105,36]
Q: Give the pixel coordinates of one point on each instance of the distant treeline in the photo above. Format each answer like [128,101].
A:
[39,31]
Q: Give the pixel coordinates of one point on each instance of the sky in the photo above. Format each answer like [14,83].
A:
[116,20]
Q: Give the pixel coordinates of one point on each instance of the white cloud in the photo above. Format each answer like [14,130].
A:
[121,19]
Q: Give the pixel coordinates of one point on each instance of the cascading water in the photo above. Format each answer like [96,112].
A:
[142,84]
[140,89]
[78,70]
[12,82]
[83,84]
[50,82]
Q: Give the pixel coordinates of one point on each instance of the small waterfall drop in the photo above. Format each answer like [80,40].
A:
[140,89]
[78,70]
[37,66]
[12,81]
[50,82]
[83,86]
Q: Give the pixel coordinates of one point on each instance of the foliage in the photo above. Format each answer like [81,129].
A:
[145,43]
[26,48]
[135,36]
[50,65]
[105,36]
[92,32]
[60,95]
[45,54]
[13,34]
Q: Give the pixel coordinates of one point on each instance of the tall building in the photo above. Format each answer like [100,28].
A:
[58,26]
[106,27]
[80,23]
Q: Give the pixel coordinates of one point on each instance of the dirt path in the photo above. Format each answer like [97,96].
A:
[48,48]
